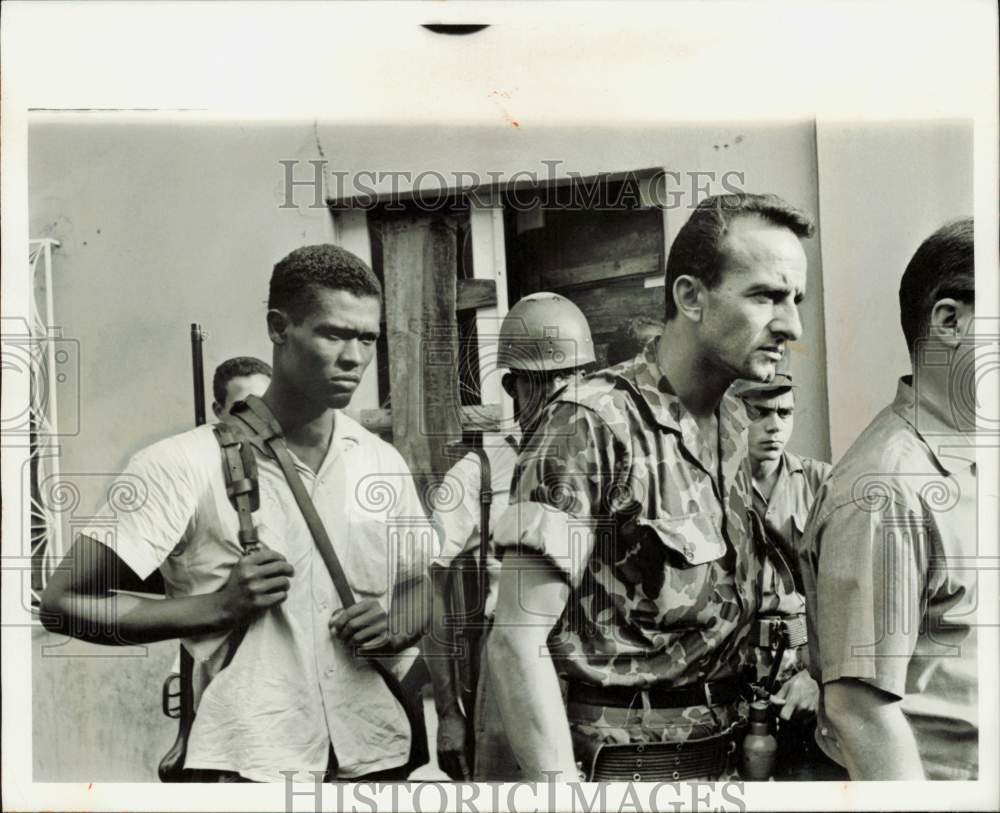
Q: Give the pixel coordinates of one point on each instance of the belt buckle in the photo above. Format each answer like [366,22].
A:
[775,631]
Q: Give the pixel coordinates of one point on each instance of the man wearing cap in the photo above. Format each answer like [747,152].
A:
[628,565]
[545,345]
[784,488]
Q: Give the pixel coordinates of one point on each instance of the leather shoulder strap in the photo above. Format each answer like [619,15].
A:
[261,423]
[485,500]
[239,467]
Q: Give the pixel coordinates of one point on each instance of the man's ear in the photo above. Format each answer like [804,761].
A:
[687,292]
[217,409]
[944,322]
[277,325]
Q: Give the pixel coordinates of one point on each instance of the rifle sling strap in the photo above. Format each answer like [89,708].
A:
[485,500]
[240,470]
[260,423]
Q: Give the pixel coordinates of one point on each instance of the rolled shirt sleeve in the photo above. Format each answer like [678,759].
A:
[562,481]
[869,593]
[153,502]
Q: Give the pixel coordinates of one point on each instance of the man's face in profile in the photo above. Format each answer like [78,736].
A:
[238,388]
[752,314]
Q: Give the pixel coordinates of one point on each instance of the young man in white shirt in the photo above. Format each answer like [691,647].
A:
[299,693]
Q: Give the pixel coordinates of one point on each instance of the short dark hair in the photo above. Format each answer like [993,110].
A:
[695,251]
[944,266]
[296,278]
[235,368]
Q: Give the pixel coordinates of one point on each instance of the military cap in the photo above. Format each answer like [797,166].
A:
[745,388]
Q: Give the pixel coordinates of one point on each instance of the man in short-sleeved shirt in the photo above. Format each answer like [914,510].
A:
[891,597]
[299,694]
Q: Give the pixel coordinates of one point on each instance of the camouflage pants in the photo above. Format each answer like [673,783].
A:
[592,726]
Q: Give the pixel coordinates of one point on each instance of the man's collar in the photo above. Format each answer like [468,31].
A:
[935,425]
[645,375]
[792,463]
[346,430]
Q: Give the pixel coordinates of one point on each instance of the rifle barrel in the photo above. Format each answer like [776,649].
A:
[198,370]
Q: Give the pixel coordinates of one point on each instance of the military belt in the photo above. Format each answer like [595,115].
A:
[769,630]
[723,692]
[707,758]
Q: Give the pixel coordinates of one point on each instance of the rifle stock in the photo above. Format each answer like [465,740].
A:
[171,767]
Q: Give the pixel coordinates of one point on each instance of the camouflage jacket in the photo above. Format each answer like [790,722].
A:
[648,521]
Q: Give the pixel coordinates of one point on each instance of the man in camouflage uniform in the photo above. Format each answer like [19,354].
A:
[784,488]
[628,563]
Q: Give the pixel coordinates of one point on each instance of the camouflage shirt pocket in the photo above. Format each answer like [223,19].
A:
[694,538]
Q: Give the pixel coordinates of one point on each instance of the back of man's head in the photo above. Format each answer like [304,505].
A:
[697,249]
[942,268]
[298,276]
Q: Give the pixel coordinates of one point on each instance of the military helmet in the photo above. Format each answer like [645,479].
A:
[543,332]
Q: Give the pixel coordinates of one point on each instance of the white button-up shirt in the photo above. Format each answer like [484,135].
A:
[292,689]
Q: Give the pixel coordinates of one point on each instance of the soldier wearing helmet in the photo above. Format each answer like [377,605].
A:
[545,346]
[544,343]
